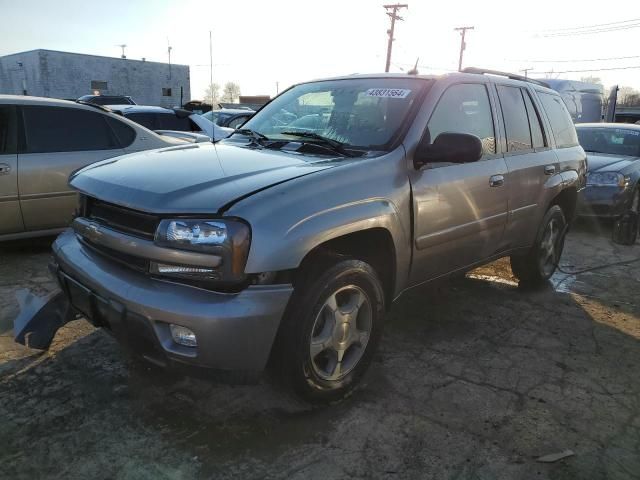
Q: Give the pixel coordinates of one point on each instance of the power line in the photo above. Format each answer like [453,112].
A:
[591,70]
[577,61]
[589,32]
[592,26]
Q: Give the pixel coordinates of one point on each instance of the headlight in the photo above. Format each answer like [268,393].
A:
[607,179]
[228,239]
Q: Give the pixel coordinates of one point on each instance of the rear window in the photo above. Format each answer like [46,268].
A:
[561,125]
[168,121]
[56,129]
[616,141]
[145,119]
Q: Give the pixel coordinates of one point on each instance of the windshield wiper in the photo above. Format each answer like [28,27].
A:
[333,144]
[257,136]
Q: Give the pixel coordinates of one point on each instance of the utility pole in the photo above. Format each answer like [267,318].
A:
[211,67]
[526,72]
[463,45]
[277,88]
[169,53]
[392,11]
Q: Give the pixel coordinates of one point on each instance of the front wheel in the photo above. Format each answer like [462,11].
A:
[537,266]
[331,331]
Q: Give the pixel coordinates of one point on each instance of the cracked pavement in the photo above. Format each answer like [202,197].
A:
[475,379]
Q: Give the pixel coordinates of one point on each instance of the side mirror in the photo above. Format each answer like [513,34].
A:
[449,148]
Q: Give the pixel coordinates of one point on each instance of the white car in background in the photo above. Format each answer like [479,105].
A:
[175,122]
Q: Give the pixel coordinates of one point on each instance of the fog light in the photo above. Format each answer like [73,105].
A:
[183,336]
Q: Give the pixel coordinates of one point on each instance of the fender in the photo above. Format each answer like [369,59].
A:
[322,226]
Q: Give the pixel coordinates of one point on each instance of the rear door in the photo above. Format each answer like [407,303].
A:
[10,215]
[460,210]
[530,161]
[56,141]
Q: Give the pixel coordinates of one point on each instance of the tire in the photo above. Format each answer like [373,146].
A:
[325,344]
[536,266]
[634,208]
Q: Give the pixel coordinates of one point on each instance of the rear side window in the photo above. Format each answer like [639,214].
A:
[465,108]
[8,135]
[123,132]
[534,121]
[59,129]
[515,118]
[145,119]
[561,125]
[169,121]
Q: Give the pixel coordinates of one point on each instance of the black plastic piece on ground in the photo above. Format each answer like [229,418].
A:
[40,318]
[625,229]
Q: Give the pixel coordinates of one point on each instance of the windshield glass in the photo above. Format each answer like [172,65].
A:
[360,113]
[617,141]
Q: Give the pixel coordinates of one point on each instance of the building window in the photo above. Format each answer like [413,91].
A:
[166,92]
[98,85]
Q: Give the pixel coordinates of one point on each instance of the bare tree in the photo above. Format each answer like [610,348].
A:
[591,79]
[212,94]
[231,92]
[628,96]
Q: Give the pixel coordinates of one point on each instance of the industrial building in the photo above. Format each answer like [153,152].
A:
[49,73]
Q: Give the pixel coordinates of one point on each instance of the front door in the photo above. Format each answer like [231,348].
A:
[10,216]
[460,210]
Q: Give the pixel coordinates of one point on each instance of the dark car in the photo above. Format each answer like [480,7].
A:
[229,117]
[107,99]
[613,153]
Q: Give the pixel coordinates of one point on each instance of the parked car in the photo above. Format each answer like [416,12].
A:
[229,117]
[583,100]
[168,120]
[292,245]
[42,141]
[107,99]
[613,157]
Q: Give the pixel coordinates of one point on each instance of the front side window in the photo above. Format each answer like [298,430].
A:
[561,125]
[366,113]
[465,108]
[59,129]
[515,118]
[7,130]
[615,141]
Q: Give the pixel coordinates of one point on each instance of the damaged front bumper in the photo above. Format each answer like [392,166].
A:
[235,331]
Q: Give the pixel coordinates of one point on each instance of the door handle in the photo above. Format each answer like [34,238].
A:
[496,181]
[4,169]
[549,169]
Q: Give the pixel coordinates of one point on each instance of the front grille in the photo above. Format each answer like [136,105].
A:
[122,219]
[130,261]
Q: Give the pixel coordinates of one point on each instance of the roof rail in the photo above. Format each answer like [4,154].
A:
[94,105]
[512,76]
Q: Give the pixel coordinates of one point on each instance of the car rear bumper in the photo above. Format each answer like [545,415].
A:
[235,331]
[606,202]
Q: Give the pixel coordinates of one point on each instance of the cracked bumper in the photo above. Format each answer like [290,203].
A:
[235,332]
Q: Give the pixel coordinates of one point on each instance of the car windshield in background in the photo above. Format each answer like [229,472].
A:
[358,113]
[616,141]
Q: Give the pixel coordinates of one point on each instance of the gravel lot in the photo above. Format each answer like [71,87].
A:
[475,380]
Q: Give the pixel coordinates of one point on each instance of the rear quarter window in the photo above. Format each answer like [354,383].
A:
[561,125]
[123,132]
[8,130]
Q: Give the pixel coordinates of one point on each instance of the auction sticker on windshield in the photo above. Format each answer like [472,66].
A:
[388,92]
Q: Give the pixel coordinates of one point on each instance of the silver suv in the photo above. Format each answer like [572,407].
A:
[287,243]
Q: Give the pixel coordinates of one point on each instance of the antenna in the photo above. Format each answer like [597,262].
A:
[169,47]
[414,70]
[122,46]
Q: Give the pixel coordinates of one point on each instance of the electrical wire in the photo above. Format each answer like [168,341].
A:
[593,26]
[589,70]
[577,61]
[589,32]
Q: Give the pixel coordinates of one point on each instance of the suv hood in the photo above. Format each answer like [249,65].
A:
[195,178]
[608,162]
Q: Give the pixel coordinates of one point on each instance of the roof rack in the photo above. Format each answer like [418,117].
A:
[94,105]
[512,76]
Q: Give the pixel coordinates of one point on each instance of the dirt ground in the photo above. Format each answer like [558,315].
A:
[474,380]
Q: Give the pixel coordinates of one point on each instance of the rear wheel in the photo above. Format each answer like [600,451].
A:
[635,210]
[330,331]
[537,266]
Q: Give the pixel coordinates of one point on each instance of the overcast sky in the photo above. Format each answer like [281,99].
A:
[257,43]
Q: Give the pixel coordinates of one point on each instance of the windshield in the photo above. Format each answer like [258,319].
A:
[617,141]
[358,113]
